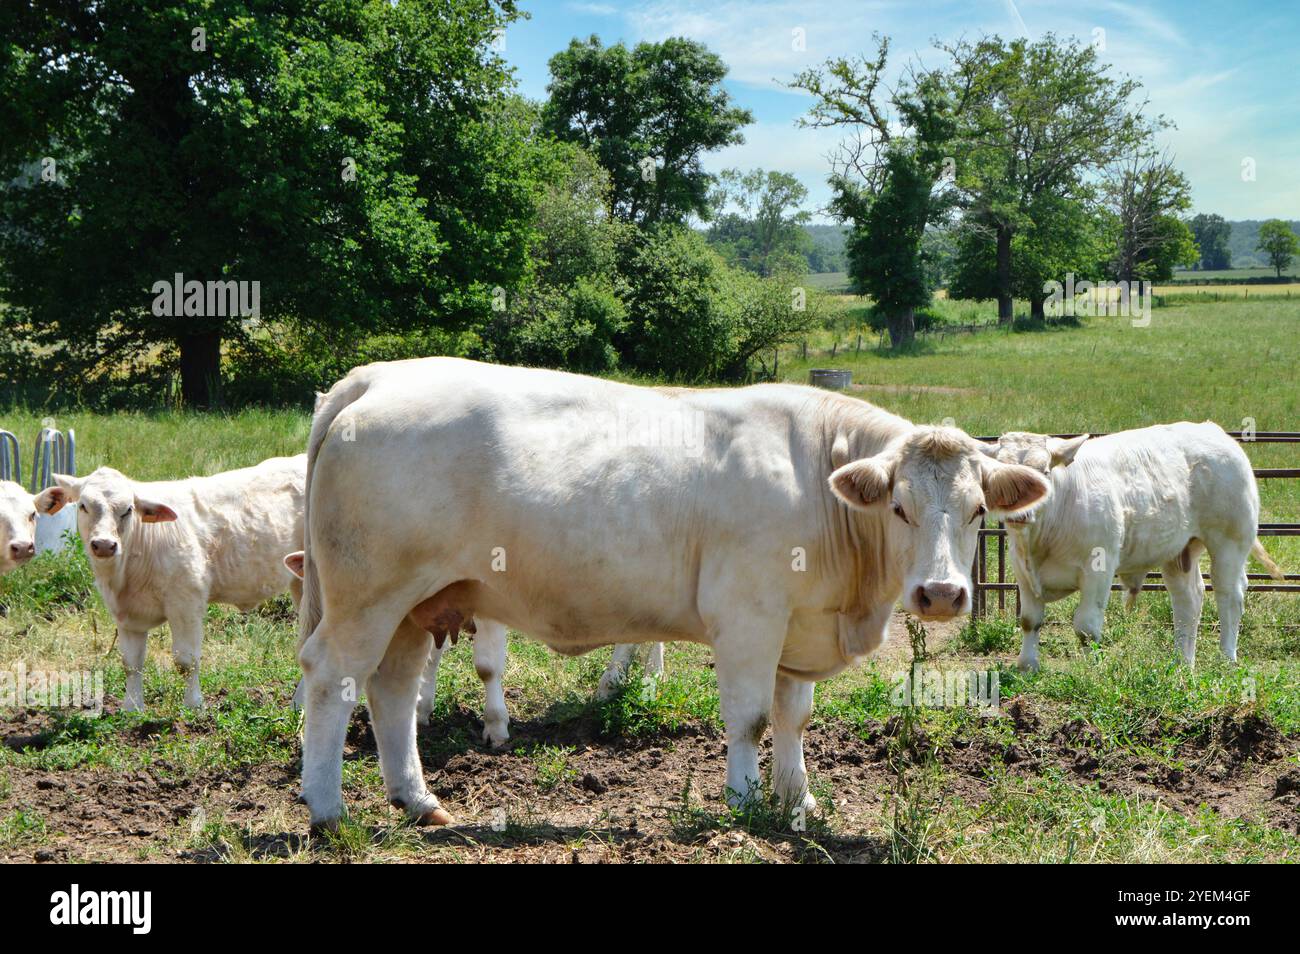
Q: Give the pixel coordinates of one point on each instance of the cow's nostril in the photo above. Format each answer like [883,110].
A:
[922,598]
[23,549]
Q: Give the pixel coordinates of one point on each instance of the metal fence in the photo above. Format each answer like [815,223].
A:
[984,586]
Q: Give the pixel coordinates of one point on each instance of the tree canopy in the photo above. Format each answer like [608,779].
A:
[649,115]
[355,160]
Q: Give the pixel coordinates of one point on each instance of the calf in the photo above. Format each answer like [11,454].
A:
[17,526]
[490,663]
[161,552]
[1124,504]
[780,533]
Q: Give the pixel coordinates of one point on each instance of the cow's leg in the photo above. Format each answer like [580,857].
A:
[1094,594]
[429,685]
[490,664]
[612,678]
[1186,595]
[792,705]
[391,692]
[339,656]
[1032,611]
[1228,574]
[654,663]
[1132,589]
[295,594]
[133,642]
[746,651]
[187,652]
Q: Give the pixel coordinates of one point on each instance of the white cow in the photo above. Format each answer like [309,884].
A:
[17,526]
[1124,504]
[778,524]
[490,664]
[161,552]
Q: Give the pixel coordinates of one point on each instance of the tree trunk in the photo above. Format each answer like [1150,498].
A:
[902,328]
[201,369]
[1036,310]
[1003,277]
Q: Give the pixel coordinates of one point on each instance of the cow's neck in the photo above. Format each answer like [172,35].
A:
[1032,543]
[856,557]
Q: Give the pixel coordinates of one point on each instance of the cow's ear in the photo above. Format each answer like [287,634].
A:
[1063,450]
[151,511]
[294,561]
[52,499]
[1010,488]
[864,483]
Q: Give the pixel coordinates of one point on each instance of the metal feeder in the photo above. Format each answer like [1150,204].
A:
[55,453]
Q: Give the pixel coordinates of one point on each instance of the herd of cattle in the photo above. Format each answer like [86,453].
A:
[778,524]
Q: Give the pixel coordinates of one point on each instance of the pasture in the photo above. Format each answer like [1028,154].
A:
[1116,755]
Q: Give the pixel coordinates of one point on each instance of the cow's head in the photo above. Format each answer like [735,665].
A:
[1039,451]
[932,486]
[17,526]
[107,509]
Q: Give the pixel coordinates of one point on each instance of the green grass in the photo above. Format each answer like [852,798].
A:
[1225,362]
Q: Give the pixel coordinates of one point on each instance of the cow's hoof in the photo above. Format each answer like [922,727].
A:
[1027,665]
[435,818]
[496,736]
[325,828]
[426,811]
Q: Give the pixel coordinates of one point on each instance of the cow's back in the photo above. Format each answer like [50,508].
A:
[1164,485]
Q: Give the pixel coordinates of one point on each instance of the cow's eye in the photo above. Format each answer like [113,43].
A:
[979,512]
[900,513]
[32,516]
[83,508]
[127,512]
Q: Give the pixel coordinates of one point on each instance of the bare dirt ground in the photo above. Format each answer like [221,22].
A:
[618,800]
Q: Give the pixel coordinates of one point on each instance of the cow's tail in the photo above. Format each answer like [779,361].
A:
[328,407]
[1259,553]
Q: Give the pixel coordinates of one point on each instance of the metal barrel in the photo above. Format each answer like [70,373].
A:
[834,379]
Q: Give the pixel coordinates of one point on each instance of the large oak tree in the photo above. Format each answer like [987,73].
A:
[355,159]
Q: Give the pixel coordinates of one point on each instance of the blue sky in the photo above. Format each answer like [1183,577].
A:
[1226,74]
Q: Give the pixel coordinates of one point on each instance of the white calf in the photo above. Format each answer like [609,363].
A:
[161,552]
[17,526]
[1124,504]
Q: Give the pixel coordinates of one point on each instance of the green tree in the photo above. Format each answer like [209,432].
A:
[569,309]
[889,178]
[1059,237]
[764,235]
[1212,235]
[1039,118]
[1278,243]
[649,115]
[1146,195]
[357,160]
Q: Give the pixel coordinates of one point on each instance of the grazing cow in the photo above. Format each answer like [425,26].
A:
[17,526]
[1124,504]
[777,524]
[490,664]
[161,552]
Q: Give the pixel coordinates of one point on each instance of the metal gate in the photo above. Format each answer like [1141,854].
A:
[983,585]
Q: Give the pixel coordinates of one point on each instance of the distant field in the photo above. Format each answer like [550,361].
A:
[1115,756]
[1233,273]
[829,281]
